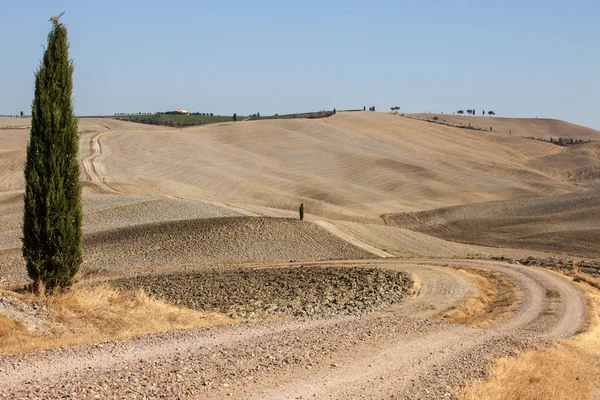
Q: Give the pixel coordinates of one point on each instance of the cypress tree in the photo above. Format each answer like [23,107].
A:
[52,211]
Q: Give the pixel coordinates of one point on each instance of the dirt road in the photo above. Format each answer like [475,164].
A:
[392,353]
[89,167]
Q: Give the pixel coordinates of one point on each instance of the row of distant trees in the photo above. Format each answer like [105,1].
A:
[472,112]
[156,113]
[14,116]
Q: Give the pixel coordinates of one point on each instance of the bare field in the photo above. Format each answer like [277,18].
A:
[544,128]
[567,224]
[345,167]
[394,207]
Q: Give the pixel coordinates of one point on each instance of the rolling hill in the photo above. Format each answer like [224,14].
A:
[438,183]
[543,128]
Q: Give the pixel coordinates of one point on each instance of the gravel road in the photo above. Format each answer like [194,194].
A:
[382,355]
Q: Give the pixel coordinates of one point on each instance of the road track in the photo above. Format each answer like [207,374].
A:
[388,353]
[89,167]
[397,352]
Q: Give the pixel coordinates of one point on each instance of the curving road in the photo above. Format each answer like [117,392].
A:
[89,167]
[396,352]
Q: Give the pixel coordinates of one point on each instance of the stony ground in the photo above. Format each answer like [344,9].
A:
[343,168]
[381,355]
[223,240]
[298,291]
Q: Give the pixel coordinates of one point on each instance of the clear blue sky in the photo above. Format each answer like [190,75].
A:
[518,58]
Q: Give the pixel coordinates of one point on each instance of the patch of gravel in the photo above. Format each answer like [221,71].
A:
[297,291]
[591,267]
[32,316]
[269,354]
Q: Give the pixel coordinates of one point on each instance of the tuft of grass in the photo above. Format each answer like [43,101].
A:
[91,314]
[568,371]
[590,280]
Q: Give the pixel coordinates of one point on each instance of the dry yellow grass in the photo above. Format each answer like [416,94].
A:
[497,297]
[93,314]
[570,370]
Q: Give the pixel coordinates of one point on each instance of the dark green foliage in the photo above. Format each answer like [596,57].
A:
[234,117]
[301,211]
[52,212]
[309,115]
[175,120]
[435,118]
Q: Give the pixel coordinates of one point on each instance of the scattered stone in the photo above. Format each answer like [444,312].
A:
[291,291]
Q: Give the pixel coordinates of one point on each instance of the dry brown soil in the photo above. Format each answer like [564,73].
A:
[179,203]
[544,128]
[561,224]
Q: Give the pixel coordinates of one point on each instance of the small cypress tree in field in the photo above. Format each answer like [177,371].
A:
[301,210]
[52,212]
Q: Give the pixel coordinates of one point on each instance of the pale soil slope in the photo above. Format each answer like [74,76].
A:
[353,165]
[167,200]
[543,128]
[204,241]
[562,224]
[405,243]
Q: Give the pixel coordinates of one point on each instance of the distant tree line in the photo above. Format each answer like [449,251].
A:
[151,121]
[473,112]
[561,141]
[22,115]
[136,113]
[309,115]
[157,113]
[205,114]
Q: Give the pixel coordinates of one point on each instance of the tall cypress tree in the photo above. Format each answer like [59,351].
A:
[52,213]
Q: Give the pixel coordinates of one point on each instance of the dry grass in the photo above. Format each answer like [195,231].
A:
[590,280]
[570,370]
[92,314]
[497,297]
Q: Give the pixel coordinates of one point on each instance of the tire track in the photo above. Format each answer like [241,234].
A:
[89,167]
[373,357]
